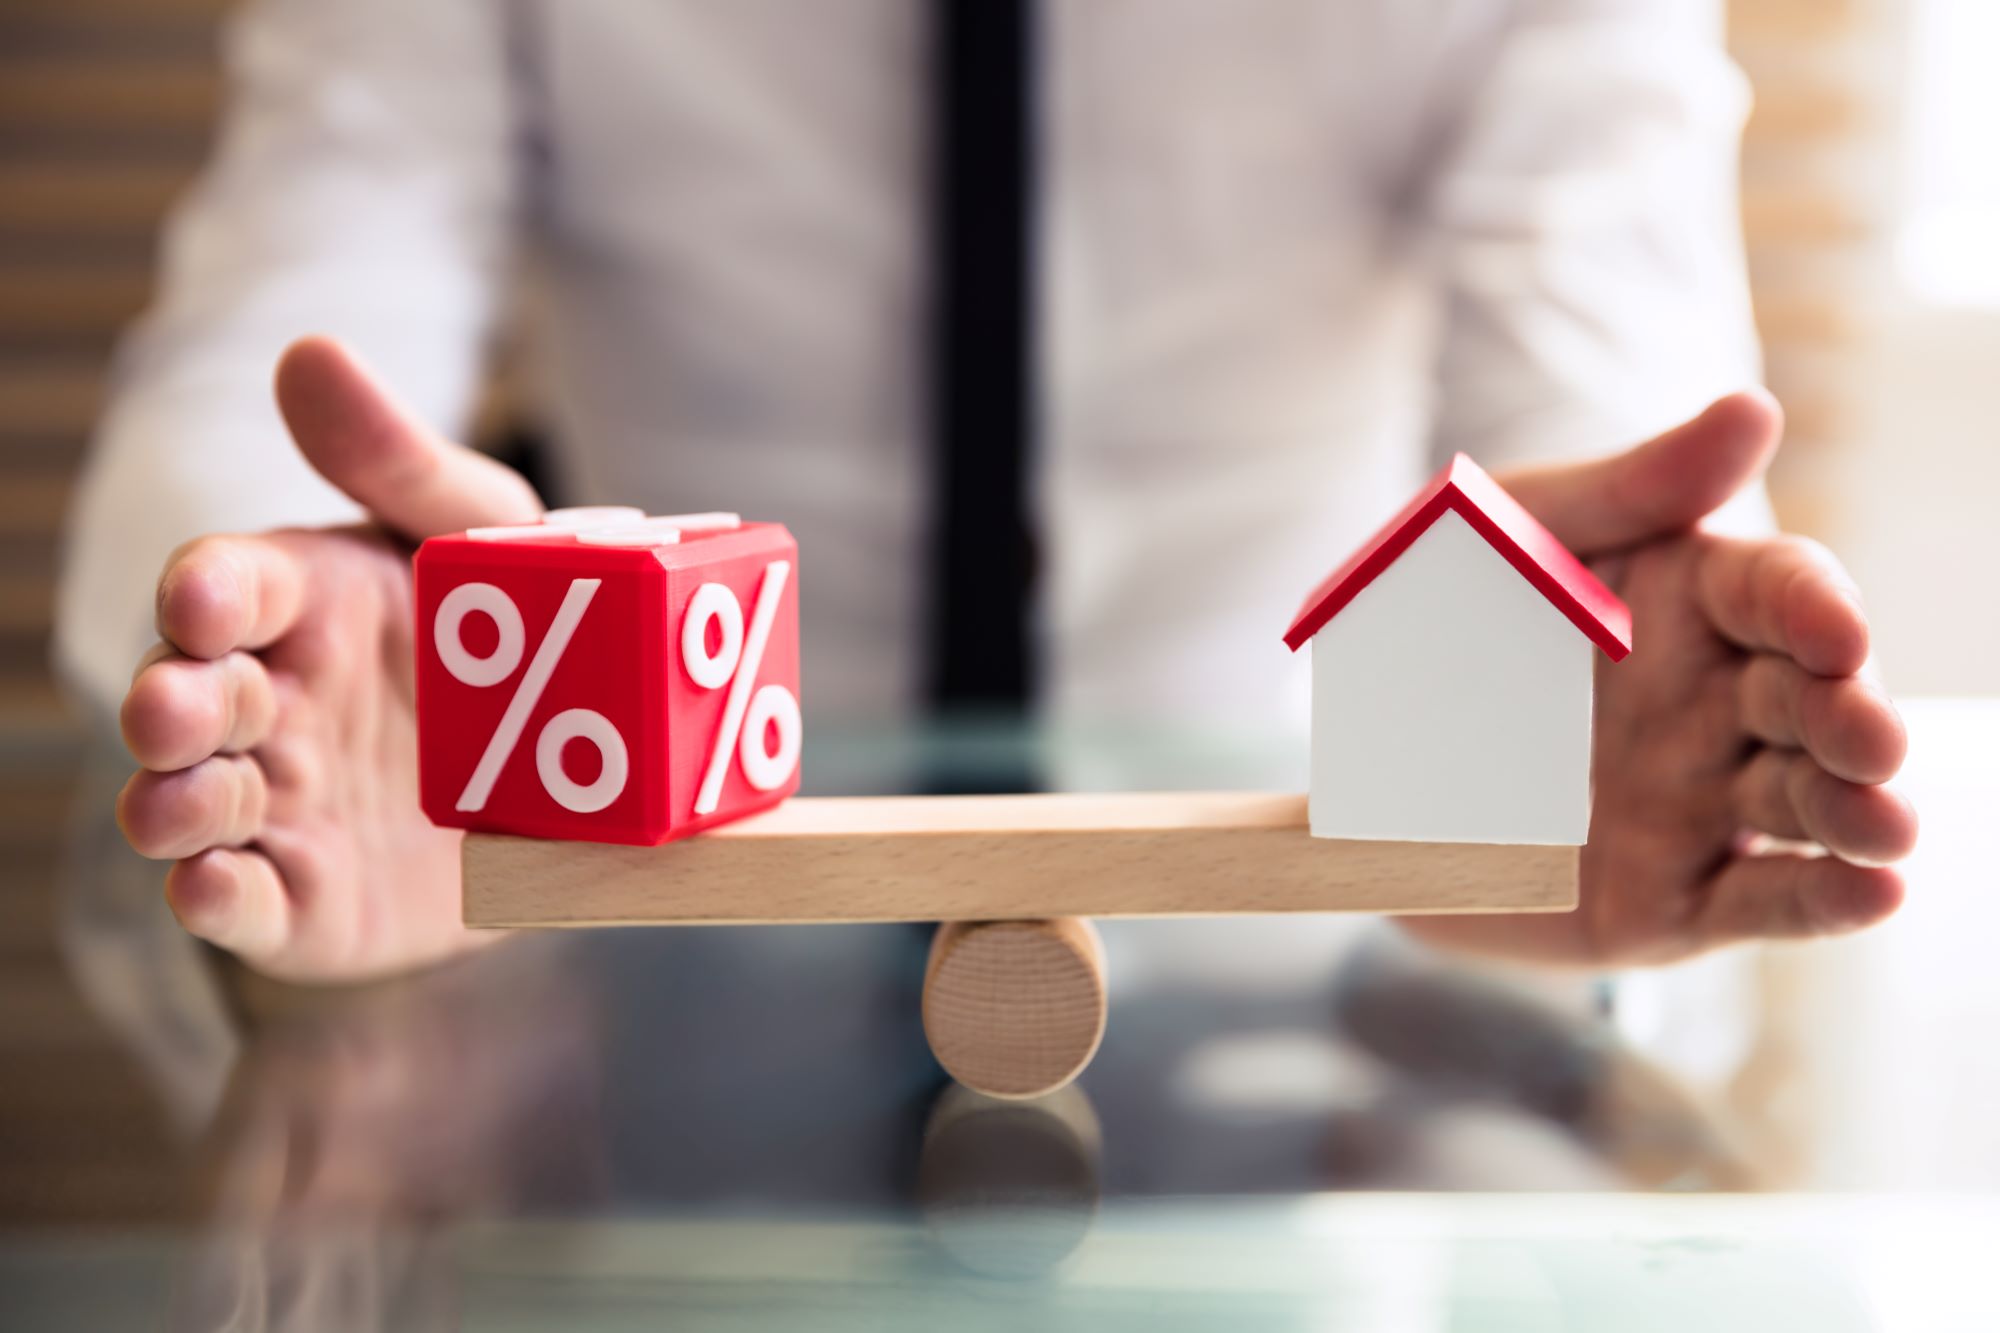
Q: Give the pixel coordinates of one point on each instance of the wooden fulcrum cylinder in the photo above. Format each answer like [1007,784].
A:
[1015,1008]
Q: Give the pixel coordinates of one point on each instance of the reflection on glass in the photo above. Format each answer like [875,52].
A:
[358,1130]
[1009,1188]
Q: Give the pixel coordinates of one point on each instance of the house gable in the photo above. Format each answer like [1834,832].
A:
[1462,488]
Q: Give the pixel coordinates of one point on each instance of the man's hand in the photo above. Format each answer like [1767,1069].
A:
[274,723]
[1742,711]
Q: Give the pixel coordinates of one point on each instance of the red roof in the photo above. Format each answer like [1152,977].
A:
[1508,528]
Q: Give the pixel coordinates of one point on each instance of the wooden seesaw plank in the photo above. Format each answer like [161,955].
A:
[986,858]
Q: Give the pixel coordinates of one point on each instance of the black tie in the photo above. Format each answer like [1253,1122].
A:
[982,402]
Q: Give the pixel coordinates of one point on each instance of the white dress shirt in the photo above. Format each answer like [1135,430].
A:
[1294,252]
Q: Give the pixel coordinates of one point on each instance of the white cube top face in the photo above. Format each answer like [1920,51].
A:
[1451,703]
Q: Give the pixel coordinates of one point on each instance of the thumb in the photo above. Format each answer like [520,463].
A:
[1664,485]
[409,478]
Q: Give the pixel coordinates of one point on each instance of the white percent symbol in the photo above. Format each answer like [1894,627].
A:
[750,713]
[497,665]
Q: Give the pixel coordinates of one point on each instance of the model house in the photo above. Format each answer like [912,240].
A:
[1451,673]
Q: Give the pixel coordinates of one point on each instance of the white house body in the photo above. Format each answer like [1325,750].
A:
[1451,703]
[1452,658]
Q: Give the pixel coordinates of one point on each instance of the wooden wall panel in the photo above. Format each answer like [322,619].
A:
[105,110]
[1818,164]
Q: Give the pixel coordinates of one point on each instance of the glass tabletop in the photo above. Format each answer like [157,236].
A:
[1301,1122]
[1365,1263]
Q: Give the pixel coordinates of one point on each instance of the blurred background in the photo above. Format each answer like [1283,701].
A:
[1871,206]
[1871,196]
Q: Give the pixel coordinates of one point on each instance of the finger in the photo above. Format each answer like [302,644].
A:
[360,439]
[233,899]
[1784,595]
[181,710]
[1847,723]
[1788,795]
[1664,485]
[217,803]
[1792,896]
[222,593]
[159,652]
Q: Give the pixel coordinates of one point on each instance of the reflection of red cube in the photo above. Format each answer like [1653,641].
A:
[607,677]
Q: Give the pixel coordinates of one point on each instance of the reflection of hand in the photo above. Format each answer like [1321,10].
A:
[1741,711]
[362,1123]
[274,724]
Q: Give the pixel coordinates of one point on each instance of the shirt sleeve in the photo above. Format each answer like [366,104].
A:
[1584,209]
[362,185]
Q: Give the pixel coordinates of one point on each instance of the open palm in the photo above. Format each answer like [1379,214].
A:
[275,722]
[1741,716]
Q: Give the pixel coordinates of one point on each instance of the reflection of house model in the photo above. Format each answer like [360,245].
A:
[1452,659]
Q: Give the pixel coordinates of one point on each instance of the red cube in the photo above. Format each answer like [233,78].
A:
[606,676]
